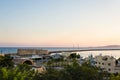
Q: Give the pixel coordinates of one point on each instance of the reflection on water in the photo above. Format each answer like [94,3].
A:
[115,54]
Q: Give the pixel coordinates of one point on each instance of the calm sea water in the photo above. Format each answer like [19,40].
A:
[12,50]
[114,53]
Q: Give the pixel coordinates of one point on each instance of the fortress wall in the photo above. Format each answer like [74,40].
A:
[31,51]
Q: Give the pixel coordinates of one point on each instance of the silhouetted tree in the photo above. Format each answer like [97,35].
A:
[6,61]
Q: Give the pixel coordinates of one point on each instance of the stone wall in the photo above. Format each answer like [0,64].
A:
[31,51]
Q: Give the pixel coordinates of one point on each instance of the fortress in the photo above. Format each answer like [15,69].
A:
[21,52]
[30,56]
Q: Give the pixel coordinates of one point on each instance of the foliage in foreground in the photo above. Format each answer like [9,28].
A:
[6,61]
[115,77]
[72,72]
[69,72]
[21,72]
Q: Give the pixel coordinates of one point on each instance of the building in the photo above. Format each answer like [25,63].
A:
[56,56]
[39,69]
[107,63]
[30,52]
[36,57]
[23,61]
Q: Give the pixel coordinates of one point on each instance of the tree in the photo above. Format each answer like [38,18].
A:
[6,61]
[21,72]
[74,55]
[73,72]
[114,77]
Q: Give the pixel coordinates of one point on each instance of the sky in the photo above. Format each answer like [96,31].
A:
[59,23]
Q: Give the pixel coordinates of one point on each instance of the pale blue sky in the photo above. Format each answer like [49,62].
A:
[59,22]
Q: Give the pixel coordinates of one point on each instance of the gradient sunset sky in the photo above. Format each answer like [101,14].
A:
[49,23]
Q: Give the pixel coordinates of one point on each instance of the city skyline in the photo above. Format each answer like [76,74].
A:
[50,23]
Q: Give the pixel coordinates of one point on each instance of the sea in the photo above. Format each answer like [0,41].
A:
[13,50]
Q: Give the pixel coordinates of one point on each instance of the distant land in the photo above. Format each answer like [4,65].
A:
[107,46]
[110,46]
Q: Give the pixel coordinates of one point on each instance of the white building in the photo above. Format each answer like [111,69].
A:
[66,54]
[56,55]
[107,63]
